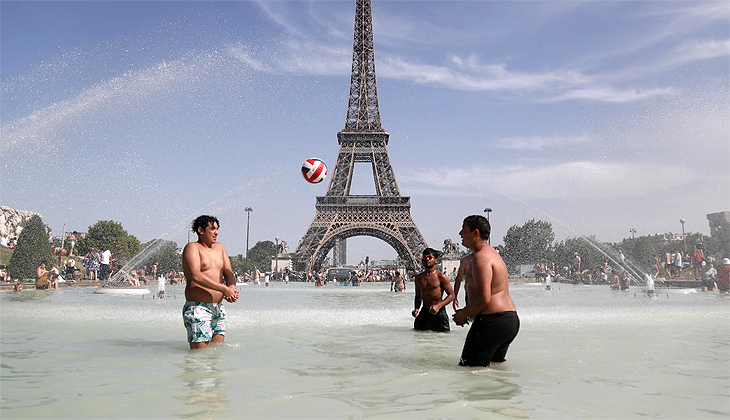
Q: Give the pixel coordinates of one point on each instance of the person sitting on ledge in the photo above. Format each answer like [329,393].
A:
[18,286]
[41,277]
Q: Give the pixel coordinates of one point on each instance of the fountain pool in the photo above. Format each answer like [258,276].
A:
[296,351]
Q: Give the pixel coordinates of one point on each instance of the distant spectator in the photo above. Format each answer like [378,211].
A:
[18,286]
[625,280]
[709,279]
[723,276]
[13,242]
[72,238]
[576,264]
[143,275]
[615,282]
[106,257]
[94,263]
[698,260]
[677,263]
[4,274]
[50,235]
[135,278]
[54,277]
[4,241]
[154,271]
[172,276]
[41,277]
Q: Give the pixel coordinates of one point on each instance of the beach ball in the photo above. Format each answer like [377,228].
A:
[314,170]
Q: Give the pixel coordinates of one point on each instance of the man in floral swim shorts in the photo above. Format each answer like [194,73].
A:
[209,280]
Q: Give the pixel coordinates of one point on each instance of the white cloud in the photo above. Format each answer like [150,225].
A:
[538,142]
[570,181]
[662,25]
[297,57]
[280,15]
[609,94]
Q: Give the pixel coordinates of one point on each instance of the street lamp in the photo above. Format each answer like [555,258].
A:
[683,238]
[277,254]
[248,211]
[488,210]
[633,231]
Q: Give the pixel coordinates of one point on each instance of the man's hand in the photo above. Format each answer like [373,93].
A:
[460,318]
[231,295]
[415,312]
[455,304]
[434,309]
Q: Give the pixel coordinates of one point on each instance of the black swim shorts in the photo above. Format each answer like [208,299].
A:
[489,338]
[426,321]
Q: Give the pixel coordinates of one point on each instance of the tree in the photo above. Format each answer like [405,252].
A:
[261,254]
[639,252]
[528,244]
[108,234]
[32,250]
[163,252]
[592,253]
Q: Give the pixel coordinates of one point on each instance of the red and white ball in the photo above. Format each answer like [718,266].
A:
[314,170]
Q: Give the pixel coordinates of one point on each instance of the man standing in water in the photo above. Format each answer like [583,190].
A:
[206,266]
[490,306]
[430,286]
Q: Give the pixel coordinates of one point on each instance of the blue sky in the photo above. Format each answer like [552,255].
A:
[596,116]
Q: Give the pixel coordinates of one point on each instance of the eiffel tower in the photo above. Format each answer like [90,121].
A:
[340,215]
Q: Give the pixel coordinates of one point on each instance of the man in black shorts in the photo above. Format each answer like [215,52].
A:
[494,313]
[430,286]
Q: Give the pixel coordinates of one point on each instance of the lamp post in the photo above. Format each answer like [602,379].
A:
[248,211]
[488,210]
[277,254]
[683,237]
[633,231]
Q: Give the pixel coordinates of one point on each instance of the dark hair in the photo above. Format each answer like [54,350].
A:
[431,251]
[480,223]
[203,222]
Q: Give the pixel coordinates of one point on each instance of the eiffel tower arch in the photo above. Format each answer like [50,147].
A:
[340,215]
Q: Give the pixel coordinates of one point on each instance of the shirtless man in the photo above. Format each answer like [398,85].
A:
[206,265]
[494,313]
[430,286]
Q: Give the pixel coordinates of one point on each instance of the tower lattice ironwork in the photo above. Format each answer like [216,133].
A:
[386,214]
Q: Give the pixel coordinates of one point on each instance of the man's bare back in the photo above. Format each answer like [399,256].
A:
[492,286]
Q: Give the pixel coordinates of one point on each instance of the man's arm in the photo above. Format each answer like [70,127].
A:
[229,277]
[417,298]
[191,259]
[482,278]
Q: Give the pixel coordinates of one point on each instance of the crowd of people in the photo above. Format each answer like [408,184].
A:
[8,242]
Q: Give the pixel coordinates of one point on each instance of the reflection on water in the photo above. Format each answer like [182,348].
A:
[205,392]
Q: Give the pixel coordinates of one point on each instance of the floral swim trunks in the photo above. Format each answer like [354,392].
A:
[203,320]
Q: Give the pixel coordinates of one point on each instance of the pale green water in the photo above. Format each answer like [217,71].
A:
[296,351]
